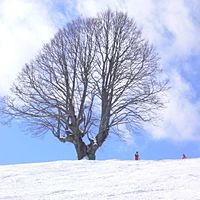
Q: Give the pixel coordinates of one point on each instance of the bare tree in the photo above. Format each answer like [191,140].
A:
[95,74]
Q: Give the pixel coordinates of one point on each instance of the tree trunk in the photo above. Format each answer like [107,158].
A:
[81,149]
[85,151]
[91,150]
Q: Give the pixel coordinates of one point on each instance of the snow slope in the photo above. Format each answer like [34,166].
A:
[94,180]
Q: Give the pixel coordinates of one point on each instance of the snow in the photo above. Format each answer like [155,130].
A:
[108,179]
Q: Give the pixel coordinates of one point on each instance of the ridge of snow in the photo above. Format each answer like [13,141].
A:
[108,179]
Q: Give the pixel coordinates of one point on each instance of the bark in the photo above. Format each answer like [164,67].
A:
[86,151]
[81,149]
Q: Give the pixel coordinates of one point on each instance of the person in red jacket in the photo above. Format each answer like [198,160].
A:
[183,156]
[137,156]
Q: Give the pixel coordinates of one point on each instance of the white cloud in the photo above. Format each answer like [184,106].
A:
[24,26]
[170,25]
[178,22]
[91,7]
[182,115]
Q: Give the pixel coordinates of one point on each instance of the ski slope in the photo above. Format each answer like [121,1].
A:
[94,180]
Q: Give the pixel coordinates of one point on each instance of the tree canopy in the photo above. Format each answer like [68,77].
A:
[95,74]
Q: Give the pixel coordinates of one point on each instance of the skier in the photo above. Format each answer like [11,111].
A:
[183,156]
[137,156]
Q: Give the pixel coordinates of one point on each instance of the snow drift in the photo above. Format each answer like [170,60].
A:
[110,179]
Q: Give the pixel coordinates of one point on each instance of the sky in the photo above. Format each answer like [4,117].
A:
[173,28]
[108,179]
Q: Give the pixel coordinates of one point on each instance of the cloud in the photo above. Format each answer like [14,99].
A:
[24,27]
[182,115]
[167,24]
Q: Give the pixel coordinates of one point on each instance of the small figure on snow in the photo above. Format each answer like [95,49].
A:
[137,156]
[183,156]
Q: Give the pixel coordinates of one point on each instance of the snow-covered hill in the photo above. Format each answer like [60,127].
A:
[94,180]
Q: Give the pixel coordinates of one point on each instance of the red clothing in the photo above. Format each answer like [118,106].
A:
[184,156]
[136,156]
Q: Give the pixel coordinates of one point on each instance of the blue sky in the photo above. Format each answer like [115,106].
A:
[172,26]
